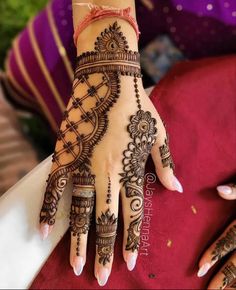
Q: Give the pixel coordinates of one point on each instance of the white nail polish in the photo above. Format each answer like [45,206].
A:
[78,265]
[102,276]
[227,190]
[203,270]
[177,185]
[44,231]
[131,261]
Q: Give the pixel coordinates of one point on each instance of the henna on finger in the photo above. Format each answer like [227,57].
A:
[52,195]
[229,279]
[82,206]
[166,158]
[106,234]
[225,245]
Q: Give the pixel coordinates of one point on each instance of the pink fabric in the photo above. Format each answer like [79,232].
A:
[98,13]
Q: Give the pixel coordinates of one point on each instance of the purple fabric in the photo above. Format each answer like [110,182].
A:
[198,28]
[62,12]
[51,56]
[36,76]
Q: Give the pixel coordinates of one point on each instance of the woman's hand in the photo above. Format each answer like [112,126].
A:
[224,245]
[108,130]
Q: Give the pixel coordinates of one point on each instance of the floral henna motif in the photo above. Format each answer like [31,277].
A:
[166,158]
[229,279]
[81,206]
[85,121]
[106,233]
[225,245]
[142,130]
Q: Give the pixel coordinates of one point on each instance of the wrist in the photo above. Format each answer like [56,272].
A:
[88,36]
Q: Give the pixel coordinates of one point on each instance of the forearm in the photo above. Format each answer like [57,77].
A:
[86,38]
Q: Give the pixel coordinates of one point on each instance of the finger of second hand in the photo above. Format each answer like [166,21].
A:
[226,277]
[107,199]
[225,244]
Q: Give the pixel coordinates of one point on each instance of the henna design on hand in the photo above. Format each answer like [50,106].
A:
[229,272]
[81,206]
[225,245]
[85,121]
[142,130]
[106,233]
[166,158]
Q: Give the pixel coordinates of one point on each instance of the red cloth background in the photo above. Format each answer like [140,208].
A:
[197,101]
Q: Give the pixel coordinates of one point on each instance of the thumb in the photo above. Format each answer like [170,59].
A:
[164,166]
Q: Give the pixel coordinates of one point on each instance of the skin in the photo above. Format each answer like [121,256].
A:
[206,259]
[108,153]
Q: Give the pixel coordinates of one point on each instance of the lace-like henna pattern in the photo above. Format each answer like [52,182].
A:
[106,234]
[166,158]
[85,120]
[225,245]
[229,272]
[142,130]
[81,206]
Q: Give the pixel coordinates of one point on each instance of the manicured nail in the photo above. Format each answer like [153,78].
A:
[131,261]
[203,270]
[227,190]
[102,276]
[177,185]
[44,231]
[78,265]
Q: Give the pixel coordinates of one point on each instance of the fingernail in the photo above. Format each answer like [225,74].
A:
[44,231]
[203,270]
[177,185]
[224,189]
[131,261]
[78,265]
[102,276]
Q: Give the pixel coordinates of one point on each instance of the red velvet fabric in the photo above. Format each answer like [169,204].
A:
[197,101]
